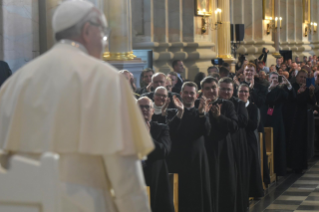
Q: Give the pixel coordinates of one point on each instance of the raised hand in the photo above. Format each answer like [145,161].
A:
[236,81]
[165,106]
[302,88]
[216,110]
[178,104]
[148,88]
[252,83]
[311,89]
[202,105]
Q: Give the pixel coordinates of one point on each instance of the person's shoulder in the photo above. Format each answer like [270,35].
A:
[173,94]
[158,126]
[149,94]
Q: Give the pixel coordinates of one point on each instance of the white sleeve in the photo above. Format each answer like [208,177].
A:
[126,176]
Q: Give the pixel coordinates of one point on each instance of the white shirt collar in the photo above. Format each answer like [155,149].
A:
[247,103]
[157,109]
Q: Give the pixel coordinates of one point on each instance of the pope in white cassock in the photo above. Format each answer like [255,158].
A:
[69,102]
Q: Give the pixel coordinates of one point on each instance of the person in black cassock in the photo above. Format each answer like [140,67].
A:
[254,170]
[188,157]
[159,79]
[178,67]
[258,90]
[155,167]
[271,113]
[226,90]
[296,126]
[219,148]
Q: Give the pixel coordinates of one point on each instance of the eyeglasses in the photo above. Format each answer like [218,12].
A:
[104,30]
[146,107]
[243,91]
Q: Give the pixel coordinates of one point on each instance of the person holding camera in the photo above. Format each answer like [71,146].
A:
[279,90]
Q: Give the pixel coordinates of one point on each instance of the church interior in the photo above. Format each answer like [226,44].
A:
[154,34]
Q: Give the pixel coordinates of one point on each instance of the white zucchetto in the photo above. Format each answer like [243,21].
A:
[69,13]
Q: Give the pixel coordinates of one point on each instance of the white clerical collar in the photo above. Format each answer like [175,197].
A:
[247,103]
[74,44]
[157,109]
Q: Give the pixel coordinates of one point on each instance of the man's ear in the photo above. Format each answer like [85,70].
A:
[85,32]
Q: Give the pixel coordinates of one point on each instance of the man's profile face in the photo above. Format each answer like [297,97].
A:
[169,85]
[289,62]
[294,66]
[262,75]
[249,73]
[147,77]
[179,67]
[160,97]
[301,78]
[158,81]
[278,61]
[173,78]
[210,90]
[226,90]
[147,109]
[188,95]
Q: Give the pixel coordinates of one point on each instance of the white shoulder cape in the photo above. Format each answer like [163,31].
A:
[68,102]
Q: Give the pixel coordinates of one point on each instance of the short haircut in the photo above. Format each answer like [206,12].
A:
[216,76]
[147,70]
[243,85]
[226,80]
[173,73]
[212,67]
[208,79]
[168,79]
[189,84]
[158,74]
[250,64]
[174,63]
[145,97]
[260,62]
[302,71]
[160,88]
[224,70]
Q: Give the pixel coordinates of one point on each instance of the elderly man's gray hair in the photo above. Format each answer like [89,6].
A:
[160,88]
[158,74]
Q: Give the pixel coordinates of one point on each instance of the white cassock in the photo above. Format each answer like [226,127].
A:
[72,104]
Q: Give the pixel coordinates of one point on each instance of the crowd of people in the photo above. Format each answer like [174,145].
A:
[206,130]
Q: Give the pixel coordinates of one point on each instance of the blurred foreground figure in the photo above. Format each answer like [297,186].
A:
[69,102]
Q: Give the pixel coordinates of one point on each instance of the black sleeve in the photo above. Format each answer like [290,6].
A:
[162,145]
[252,123]
[242,114]
[228,120]
[258,95]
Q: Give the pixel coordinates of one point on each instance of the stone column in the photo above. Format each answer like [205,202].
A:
[277,30]
[118,13]
[119,52]
[224,43]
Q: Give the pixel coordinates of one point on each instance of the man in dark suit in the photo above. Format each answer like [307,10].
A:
[179,68]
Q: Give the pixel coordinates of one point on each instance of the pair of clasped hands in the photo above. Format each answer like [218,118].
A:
[205,105]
